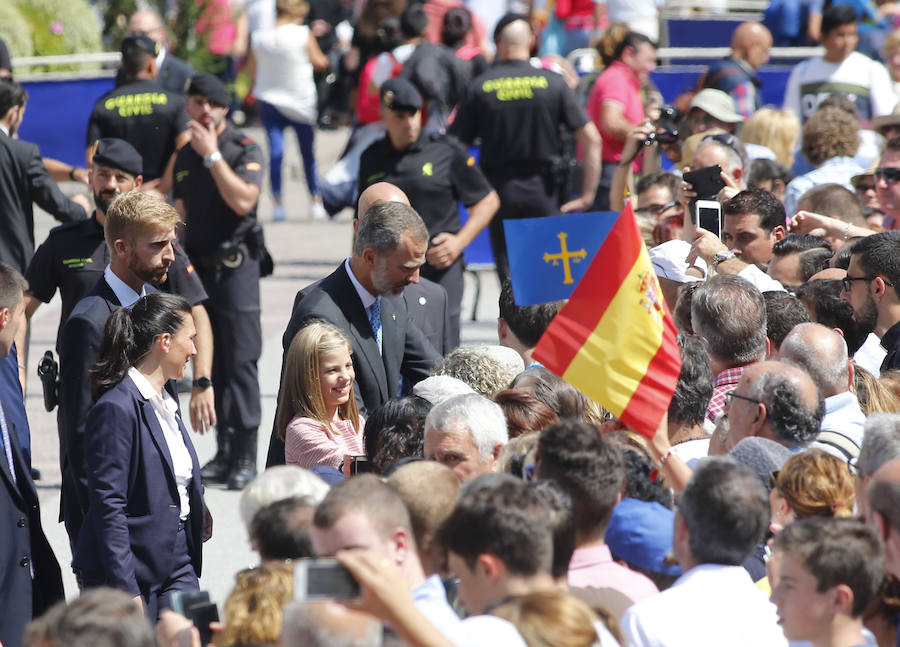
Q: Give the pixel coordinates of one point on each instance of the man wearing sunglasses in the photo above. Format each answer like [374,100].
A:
[887,183]
[869,288]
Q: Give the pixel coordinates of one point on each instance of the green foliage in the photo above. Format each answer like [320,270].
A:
[60,27]
[188,44]
[14,30]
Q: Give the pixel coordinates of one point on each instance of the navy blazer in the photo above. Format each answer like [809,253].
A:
[23,547]
[133,513]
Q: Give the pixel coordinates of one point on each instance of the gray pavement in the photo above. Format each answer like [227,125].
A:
[304,251]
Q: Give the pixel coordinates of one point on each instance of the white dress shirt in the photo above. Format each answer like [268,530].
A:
[165,408]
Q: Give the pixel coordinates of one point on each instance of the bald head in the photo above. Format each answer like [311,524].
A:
[514,41]
[149,23]
[751,42]
[822,353]
[326,623]
[379,191]
[829,274]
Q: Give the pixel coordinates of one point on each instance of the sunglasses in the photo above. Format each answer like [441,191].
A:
[889,175]
[655,209]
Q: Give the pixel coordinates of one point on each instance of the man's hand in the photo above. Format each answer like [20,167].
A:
[203,409]
[204,139]
[152,188]
[80,175]
[705,245]
[807,222]
[444,250]
[732,188]
[581,203]
[636,140]
[80,198]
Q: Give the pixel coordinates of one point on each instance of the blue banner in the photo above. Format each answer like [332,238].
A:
[548,256]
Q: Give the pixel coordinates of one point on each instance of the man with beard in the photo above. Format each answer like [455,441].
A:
[217,185]
[139,231]
[870,287]
[362,298]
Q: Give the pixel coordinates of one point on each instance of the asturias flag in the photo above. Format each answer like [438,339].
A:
[615,339]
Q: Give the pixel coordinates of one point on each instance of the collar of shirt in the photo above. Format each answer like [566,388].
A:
[592,556]
[146,389]
[364,295]
[4,130]
[126,296]
[160,57]
[729,376]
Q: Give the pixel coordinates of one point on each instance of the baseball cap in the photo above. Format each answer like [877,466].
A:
[718,104]
[641,533]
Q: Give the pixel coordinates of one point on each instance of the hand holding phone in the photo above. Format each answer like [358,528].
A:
[708,216]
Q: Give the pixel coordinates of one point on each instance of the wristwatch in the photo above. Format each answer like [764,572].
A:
[724,255]
[211,159]
[202,383]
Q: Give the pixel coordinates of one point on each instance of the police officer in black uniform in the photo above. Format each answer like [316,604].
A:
[436,173]
[142,113]
[217,185]
[517,110]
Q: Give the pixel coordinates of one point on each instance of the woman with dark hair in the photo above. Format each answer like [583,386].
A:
[143,528]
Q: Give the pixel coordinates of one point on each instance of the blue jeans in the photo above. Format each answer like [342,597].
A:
[274,123]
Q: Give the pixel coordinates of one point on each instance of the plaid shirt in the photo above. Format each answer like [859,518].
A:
[726,381]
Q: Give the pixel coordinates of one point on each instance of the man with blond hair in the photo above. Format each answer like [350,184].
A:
[139,231]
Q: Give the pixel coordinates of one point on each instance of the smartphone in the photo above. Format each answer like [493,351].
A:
[708,215]
[182,600]
[315,579]
[203,615]
[706,182]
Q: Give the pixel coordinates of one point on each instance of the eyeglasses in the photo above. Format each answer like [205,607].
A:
[862,188]
[655,209]
[847,281]
[730,141]
[731,395]
[889,175]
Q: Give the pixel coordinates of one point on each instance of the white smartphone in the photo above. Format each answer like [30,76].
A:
[708,215]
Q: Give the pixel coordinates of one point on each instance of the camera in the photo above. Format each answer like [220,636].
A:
[666,127]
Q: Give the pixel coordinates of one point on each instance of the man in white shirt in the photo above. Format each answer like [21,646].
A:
[723,514]
[841,70]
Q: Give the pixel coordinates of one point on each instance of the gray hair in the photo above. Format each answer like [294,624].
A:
[487,369]
[281,482]
[792,421]
[822,353]
[384,225]
[483,419]
[730,314]
[881,443]
[735,159]
[317,624]
[100,617]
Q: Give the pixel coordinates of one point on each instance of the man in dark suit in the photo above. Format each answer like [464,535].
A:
[139,230]
[30,579]
[361,298]
[23,181]
[174,73]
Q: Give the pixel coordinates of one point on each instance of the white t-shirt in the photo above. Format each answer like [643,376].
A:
[284,75]
[641,16]
[858,77]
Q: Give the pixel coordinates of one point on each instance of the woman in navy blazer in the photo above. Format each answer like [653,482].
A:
[143,529]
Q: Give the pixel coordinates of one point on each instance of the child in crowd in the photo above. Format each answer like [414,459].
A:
[830,570]
[318,417]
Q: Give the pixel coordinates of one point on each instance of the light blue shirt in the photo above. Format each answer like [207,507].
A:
[126,296]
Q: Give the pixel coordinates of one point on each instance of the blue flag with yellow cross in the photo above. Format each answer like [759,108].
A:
[548,256]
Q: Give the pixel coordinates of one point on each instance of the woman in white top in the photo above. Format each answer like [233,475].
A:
[282,60]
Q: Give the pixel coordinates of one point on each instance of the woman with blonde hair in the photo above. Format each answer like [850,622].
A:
[552,619]
[812,483]
[254,610]
[318,417]
[776,129]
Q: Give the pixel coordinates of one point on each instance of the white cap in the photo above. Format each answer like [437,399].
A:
[668,261]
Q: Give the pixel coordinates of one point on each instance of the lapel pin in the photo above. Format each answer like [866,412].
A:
[422,301]
[394,317]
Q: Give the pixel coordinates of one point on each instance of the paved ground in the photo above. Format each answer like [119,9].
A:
[304,251]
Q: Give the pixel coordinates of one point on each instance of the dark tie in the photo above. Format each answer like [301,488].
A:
[375,321]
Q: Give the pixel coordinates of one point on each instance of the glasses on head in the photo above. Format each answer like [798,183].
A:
[847,281]
[731,395]
[730,141]
[889,175]
[656,209]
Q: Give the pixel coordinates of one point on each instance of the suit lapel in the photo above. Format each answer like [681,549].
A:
[148,415]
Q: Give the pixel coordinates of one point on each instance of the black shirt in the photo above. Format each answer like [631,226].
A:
[891,343]
[517,111]
[5,62]
[73,258]
[435,172]
[210,221]
[146,116]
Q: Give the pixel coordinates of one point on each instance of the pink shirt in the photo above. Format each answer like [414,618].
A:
[308,443]
[594,566]
[618,84]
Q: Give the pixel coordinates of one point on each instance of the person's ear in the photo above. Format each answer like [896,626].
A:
[401,544]
[369,256]
[770,348]
[138,181]
[759,418]
[778,232]
[851,372]
[502,328]
[495,455]
[5,316]
[489,566]
[165,341]
[121,247]
[842,602]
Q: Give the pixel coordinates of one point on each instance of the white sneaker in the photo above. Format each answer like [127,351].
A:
[317,211]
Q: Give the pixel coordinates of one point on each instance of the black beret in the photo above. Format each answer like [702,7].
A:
[117,153]
[506,20]
[209,86]
[400,94]
[139,42]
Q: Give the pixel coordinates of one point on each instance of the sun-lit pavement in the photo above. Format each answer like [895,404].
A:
[304,251]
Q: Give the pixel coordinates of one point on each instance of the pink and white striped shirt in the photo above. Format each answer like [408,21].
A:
[308,443]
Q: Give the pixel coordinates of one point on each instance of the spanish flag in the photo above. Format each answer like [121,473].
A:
[615,339]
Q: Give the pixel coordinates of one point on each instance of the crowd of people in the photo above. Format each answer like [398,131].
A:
[468,495]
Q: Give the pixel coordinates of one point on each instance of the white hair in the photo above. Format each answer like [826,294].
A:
[483,419]
[278,483]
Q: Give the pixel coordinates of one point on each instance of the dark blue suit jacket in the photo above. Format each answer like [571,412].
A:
[23,546]
[129,530]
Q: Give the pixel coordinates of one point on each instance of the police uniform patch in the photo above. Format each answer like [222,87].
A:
[253,166]
[470,161]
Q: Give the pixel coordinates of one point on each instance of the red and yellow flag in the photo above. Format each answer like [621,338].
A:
[615,339]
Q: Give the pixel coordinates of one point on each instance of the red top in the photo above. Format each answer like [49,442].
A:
[617,83]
